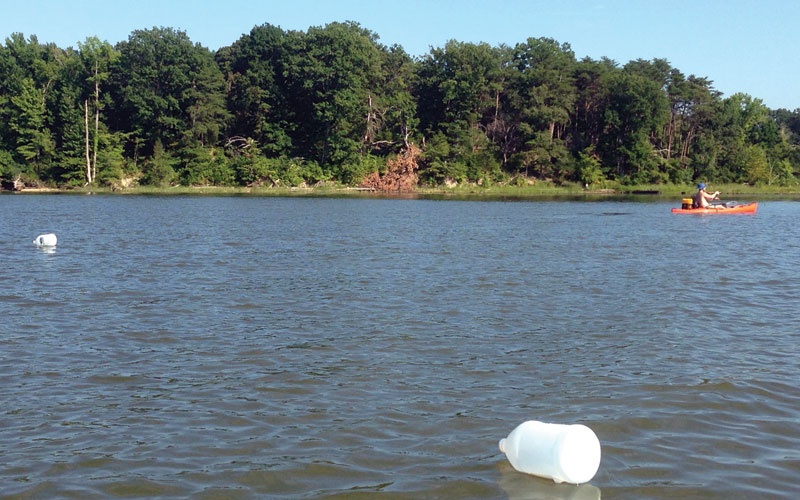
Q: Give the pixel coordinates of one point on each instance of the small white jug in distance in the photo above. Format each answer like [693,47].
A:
[563,453]
[46,240]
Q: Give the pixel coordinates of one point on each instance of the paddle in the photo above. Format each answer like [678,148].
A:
[726,204]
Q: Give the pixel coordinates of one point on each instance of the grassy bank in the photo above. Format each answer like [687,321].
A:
[540,189]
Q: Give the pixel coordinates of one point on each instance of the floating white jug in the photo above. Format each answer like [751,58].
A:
[46,240]
[563,453]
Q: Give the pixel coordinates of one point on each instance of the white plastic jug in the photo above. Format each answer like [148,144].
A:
[563,453]
[46,240]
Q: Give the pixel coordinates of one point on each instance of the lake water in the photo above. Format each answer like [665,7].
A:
[255,347]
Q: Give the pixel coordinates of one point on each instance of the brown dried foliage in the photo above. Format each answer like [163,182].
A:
[401,173]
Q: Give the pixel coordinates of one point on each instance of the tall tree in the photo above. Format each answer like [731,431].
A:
[28,115]
[98,58]
[167,89]
[332,71]
[456,86]
[458,92]
[254,68]
[392,110]
[545,97]
[26,108]
[592,85]
[545,84]
[637,111]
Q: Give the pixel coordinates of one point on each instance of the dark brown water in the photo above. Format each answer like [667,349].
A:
[175,347]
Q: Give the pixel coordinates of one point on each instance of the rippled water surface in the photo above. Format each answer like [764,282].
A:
[236,347]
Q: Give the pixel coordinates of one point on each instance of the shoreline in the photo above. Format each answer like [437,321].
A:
[472,191]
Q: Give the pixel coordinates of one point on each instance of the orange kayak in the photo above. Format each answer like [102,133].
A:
[750,208]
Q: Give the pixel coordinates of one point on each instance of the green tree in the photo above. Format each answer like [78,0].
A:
[254,68]
[737,122]
[159,170]
[456,87]
[544,93]
[28,114]
[636,113]
[545,84]
[691,101]
[333,70]
[458,94]
[593,93]
[29,76]
[589,168]
[391,120]
[98,58]
[67,122]
[167,90]
[205,166]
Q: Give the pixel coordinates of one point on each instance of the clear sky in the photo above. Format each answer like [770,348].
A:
[745,46]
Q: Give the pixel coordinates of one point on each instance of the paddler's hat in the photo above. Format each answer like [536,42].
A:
[702,185]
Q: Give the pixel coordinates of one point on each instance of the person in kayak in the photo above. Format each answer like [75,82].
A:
[701,198]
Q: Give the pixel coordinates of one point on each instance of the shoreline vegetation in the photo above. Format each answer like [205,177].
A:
[333,108]
[472,191]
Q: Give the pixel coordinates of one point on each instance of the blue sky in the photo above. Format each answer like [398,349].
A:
[742,45]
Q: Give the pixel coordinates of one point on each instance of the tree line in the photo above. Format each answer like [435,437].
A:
[332,104]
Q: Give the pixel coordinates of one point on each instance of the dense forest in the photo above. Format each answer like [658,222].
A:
[332,104]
